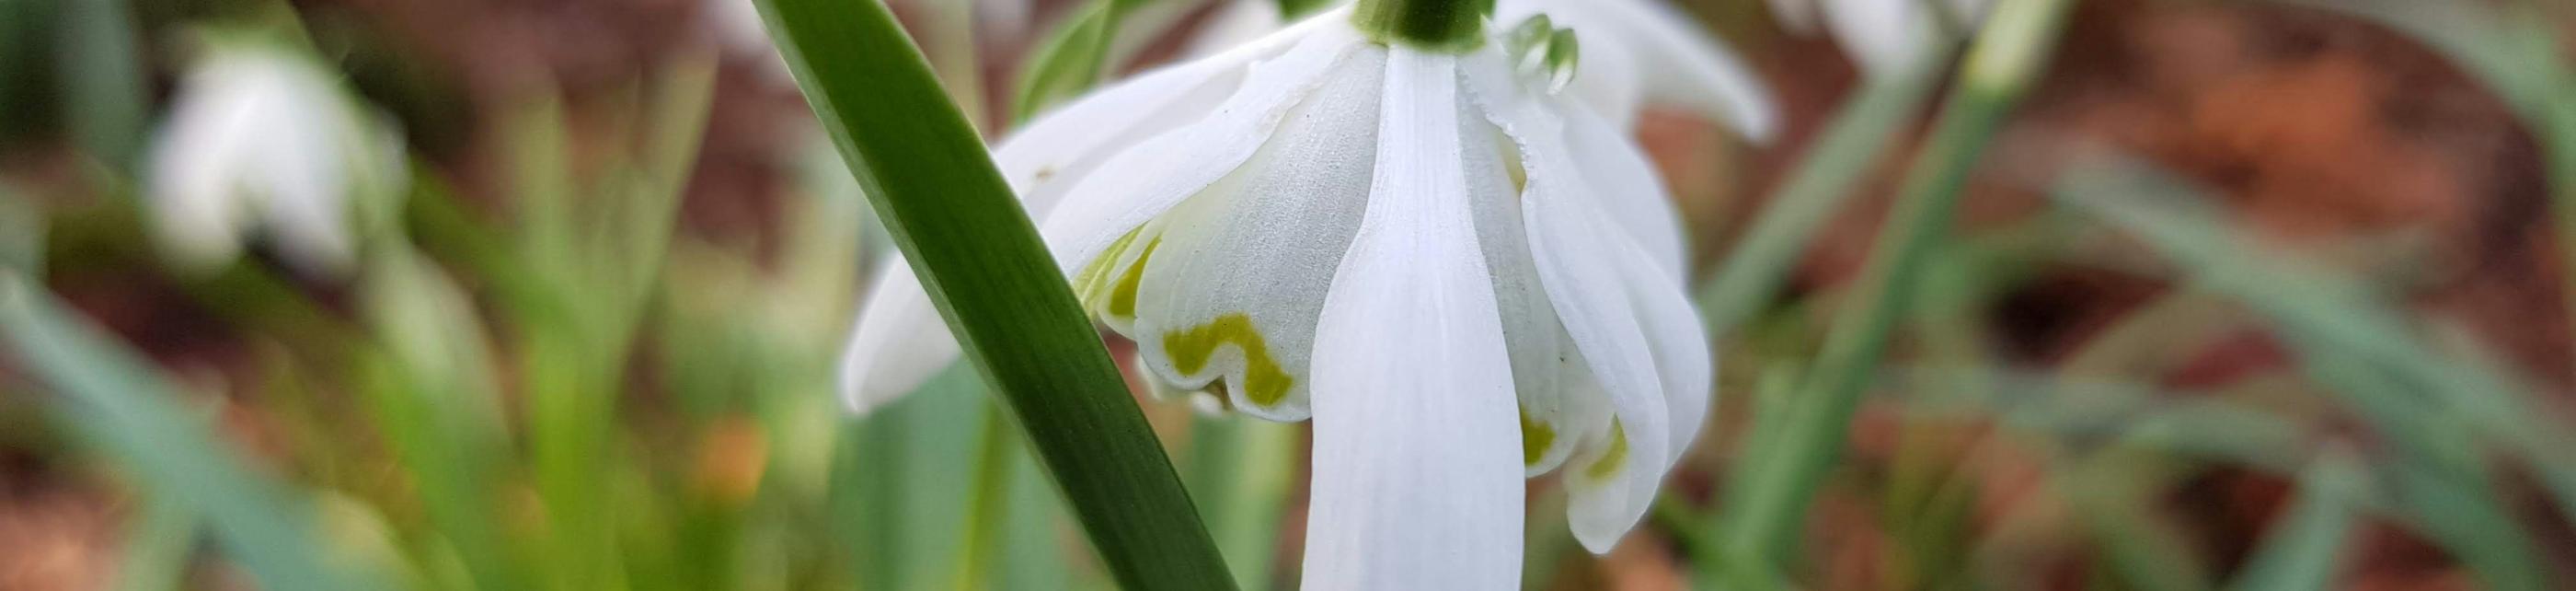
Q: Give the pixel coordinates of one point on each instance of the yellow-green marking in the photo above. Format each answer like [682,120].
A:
[1264,383]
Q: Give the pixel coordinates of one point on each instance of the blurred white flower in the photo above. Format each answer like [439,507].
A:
[1635,53]
[263,137]
[1464,280]
[1883,36]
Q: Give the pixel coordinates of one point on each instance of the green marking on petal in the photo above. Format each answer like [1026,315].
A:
[1095,274]
[1610,461]
[1264,382]
[1122,301]
[1535,437]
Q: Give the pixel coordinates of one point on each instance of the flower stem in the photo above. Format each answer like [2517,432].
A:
[1447,26]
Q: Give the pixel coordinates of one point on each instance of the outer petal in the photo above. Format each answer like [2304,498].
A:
[899,342]
[1417,477]
[1881,35]
[1680,63]
[1145,180]
[1577,251]
[197,159]
[1239,273]
[1885,36]
[1048,156]
[1798,16]
[313,154]
[1680,344]
[1631,191]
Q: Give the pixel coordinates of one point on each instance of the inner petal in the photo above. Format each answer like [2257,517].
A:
[1543,359]
[1228,299]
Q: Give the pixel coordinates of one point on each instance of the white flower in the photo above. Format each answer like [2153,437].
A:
[262,137]
[1462,279]
[1883,36]
[1635,53]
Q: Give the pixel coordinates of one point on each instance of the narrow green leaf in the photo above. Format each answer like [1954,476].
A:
[22,233]
[158,547]
[2425,404]
[2305,549]
[1822,182]
[1770,508]
[1069,61]
[116,402]
[988,508]
[1241,472]
[1002,294]
[2112,494]
[102,70]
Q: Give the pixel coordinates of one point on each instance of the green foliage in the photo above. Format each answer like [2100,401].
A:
[118,404]
[980,257]
[1769,499]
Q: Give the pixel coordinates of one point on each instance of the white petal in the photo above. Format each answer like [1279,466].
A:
[311,155]
[1580,270]
[1608,79]
[1044,158]
[899,342]
[1576,249]
[1631,191]
[1889,36]
[1545,366]
[1145,180]
[1679,63]
[1679,341]
[198,209]
[1239,272]
[1798,16]
[1417,477]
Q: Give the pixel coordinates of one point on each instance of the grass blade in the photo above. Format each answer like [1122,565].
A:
[2434,410]
[116,402]
[1002,294]
[1768,509]
[102,69]
[2305,549]
[1822,183]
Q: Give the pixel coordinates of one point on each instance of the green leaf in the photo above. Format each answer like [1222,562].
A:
[1069,61]
[1820,185]
[1002,293]
[157,548]
[2305,550]
[2430,406]
[116,402]
[1769,508]
[102,70]
[1241,472]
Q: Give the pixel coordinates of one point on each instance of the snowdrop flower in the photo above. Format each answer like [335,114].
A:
[262,136]
[1378,220]
[1635,53]
[1883,36]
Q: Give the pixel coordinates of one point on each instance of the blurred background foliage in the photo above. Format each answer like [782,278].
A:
[2244,294]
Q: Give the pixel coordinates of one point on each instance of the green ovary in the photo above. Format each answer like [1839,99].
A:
[1608,465]
[1264,383]
[1535,437]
